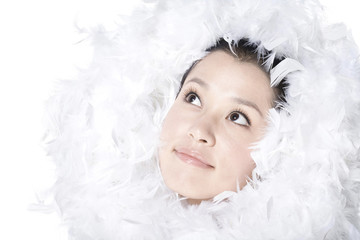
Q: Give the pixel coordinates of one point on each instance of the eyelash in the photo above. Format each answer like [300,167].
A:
[188,91]
[192,90]
[244,115]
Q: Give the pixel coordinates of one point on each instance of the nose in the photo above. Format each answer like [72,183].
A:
[202,131]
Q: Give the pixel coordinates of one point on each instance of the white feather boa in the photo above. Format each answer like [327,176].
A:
[104,128]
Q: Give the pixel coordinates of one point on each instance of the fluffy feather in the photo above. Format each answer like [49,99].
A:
[104,128]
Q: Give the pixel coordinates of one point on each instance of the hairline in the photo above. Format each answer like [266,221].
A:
[251,60]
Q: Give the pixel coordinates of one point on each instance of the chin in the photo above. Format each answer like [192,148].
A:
[194,195]
[189,190]
[186,180]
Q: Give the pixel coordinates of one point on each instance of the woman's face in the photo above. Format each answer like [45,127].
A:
[219,113]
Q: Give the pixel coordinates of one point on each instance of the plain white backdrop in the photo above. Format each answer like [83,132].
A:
[38,46]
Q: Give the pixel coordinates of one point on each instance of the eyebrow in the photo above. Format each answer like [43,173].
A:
[236,99]
[247,103]
[200,82]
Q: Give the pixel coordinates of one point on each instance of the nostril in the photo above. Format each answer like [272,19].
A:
[198,139]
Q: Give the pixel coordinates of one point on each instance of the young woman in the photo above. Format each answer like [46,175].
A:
[139,159]
[220,112]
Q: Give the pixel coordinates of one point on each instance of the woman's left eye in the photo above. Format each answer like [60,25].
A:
[239,118]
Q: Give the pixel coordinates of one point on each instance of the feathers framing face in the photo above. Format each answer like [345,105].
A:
[219,113]
[105,125]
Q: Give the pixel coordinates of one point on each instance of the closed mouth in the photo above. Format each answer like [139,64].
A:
[192,157]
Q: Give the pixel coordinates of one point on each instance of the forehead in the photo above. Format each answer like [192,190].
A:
[224,62]
[230,76]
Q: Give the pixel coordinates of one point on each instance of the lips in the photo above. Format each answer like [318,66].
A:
[192,157]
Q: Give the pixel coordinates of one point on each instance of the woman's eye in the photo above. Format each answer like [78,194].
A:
[193,99]
[239,118]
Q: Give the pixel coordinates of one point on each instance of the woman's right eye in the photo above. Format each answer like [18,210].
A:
[193,99]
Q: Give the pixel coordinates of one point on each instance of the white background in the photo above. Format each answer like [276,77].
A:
[37,47]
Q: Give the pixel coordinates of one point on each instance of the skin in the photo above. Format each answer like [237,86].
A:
[208,120]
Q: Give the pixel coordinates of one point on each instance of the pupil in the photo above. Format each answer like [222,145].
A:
[192,98]
[234,116]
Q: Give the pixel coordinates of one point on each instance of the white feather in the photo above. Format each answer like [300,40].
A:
[104,127]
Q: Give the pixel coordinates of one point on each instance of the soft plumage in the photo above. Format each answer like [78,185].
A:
[104,128]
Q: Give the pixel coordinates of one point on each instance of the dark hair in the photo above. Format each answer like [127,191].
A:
[247,52]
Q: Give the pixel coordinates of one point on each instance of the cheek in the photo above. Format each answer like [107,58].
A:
[169,124]
[165,146]
[172,131]
[239,156]
[235,159]
[176,122]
